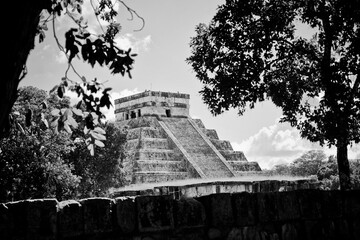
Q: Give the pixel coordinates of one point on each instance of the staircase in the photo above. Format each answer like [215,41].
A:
[198,148]
[150,157]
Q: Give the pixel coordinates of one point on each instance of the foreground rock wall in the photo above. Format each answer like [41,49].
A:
[299,214]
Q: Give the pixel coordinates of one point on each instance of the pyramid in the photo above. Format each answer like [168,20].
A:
[164,143]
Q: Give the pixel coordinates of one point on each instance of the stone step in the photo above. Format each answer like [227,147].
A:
[131,144]
[210,133]
[157,154]
[199,151]
[154,143]
[158,176]
[145,132]
[240,166]
[159,165]
[230,155]
[147,143]
[221,144]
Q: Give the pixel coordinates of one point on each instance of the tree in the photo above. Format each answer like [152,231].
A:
[36,162]
[250,52]
[104,170]
[308,164]
[94,48]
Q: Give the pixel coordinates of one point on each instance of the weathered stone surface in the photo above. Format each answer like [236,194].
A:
[289,232]
[218,209]
[288,206]
[189,213]
[154,213]
[244,206]
[70,219]
[267,207]
[126,214]
[351,206]
[332,204]
[6,224]
[97,215]
[34,219]
[310,203]
[244,233]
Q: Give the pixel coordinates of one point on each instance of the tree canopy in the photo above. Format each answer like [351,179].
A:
[251,51]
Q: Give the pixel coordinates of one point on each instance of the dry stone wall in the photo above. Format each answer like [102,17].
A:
[300,214]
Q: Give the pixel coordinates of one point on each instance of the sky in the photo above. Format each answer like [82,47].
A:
[162,47]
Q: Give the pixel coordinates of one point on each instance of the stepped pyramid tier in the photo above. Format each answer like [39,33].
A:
[164,143]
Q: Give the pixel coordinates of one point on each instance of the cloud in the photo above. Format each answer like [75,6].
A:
[280,143]
[128,40]
[61,57]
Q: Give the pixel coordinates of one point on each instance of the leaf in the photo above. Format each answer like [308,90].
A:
[54,88]
[91,149]
[99,143]
[72,122]
[86,130]
[67,127]
[77,112]
[97,135]
[100,130]
[60,92]
[54,123]
[55,112]
[43,119]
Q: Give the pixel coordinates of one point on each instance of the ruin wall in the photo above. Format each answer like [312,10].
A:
[300,214]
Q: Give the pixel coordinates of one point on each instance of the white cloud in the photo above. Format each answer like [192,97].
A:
[61,57]
[279,143]
[128,40]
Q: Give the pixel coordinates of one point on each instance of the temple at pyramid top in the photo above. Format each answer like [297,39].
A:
[164,143]
[152,103]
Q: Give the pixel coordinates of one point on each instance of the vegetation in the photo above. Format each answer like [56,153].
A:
[251,52]
[316,164]
[36,162]
[92,47]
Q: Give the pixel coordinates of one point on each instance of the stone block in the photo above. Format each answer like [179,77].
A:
[351,206]
[126,214]
[288,206]
[256,186]
[34,219]
[218,209]
[332,204]
[97,214]
[274,186]
[244,233]
[321,230]
[265,186]
[244,207]
[310,202]
[267,207]
[289,232]
[6,224]
[189,212]
[70,219]
[154,213]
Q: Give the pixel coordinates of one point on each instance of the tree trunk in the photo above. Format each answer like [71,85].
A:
[18,41]
[343,165]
